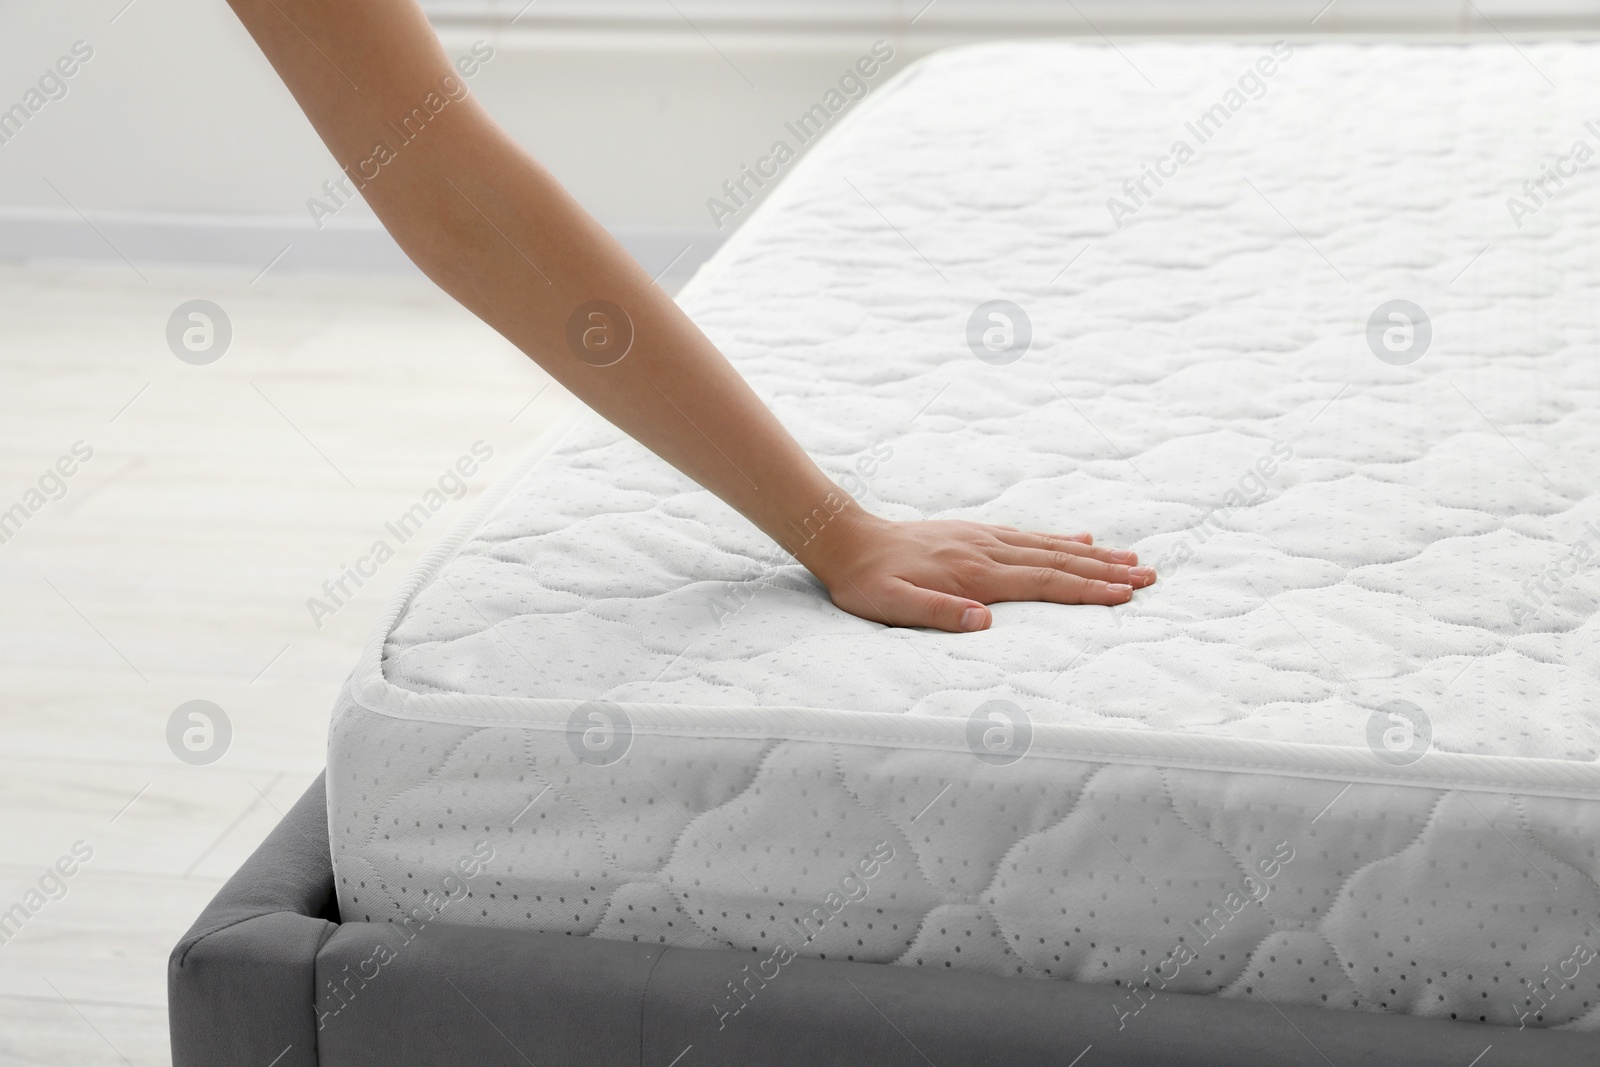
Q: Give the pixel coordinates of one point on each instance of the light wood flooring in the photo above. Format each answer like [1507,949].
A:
[177,567]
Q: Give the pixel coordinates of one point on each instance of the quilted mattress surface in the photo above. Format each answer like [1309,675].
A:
[1332,370]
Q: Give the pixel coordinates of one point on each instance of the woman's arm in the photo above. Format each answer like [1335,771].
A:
[486,222]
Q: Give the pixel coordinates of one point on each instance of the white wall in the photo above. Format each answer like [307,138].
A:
[177,112]
[177,141]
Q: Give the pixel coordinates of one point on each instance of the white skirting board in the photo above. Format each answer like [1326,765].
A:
[281,242]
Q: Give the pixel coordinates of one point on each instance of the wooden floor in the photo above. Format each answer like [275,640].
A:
[176,567]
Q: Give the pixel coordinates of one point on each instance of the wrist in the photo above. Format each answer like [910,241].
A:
[827,538]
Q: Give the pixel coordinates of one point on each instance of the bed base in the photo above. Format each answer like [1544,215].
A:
[269,976]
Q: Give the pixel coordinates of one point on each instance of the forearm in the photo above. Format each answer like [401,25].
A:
[495,230]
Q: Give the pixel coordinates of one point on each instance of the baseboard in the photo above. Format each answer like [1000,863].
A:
[738,23]
[278,243]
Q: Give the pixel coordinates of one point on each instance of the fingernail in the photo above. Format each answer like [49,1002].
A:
[1124,557]
[972,619]
[1144,574]
[1124,589]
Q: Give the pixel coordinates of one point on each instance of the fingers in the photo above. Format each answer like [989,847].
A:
[943,578]
[1081,544]
[1073,563]
[1082,538]
[899,603]
[1049,584]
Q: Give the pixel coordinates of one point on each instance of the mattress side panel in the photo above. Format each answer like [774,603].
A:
[1363,897]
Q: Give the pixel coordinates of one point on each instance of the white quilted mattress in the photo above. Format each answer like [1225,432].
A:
[1344,753]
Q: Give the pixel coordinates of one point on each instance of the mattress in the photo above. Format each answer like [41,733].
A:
[1310,327]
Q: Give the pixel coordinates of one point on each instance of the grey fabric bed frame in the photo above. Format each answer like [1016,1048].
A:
[269,977]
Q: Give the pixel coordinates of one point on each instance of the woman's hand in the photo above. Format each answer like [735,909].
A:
[942,574]
[497,231]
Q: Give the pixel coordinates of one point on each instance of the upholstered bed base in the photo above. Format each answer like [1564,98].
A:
[242,993]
